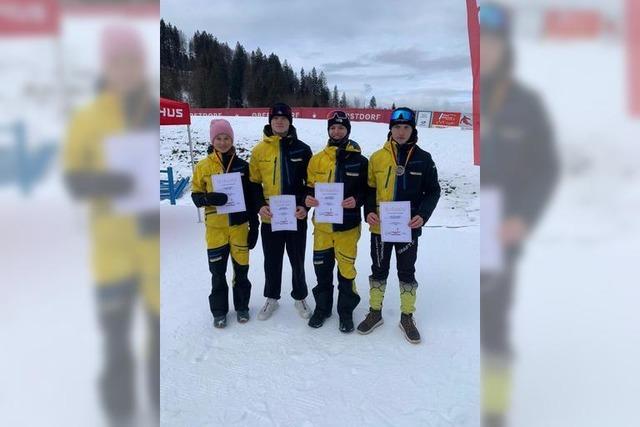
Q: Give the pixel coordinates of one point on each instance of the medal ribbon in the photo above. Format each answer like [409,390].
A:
[395,158]
[230,161]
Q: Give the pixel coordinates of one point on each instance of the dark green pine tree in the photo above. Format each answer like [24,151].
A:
[239,69]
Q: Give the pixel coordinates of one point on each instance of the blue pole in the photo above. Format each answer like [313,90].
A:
[172,194]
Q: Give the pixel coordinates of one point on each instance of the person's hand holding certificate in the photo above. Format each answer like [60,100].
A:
[231,185]
[283,211]
[394,221]
[329,196]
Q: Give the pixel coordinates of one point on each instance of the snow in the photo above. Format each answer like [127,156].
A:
[577,292]
[280,371]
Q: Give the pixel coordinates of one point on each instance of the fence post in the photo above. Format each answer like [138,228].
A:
[172,194]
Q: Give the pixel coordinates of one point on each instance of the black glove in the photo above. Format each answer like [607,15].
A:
[215,199]
[254,227]
[209,199]
[99,184]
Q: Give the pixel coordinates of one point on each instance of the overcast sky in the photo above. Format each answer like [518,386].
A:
[411,52]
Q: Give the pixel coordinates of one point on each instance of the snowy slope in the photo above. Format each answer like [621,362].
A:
[283,373]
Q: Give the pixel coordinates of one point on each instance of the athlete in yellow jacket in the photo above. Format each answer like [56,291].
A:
[400,171]
[340,161]
[226,233]
[279,166]
[125,248]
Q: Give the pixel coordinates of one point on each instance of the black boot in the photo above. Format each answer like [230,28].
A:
[318,318]
[243,316]
[220,321]
[346,324]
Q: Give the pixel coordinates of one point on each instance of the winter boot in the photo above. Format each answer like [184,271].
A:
[220,321]
[303,309]
[346,324]
[318,318]
[267,310]
[372,321]
[408,326]
[243,316]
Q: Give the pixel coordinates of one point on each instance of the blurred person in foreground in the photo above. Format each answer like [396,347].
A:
[520,164]
[124,246]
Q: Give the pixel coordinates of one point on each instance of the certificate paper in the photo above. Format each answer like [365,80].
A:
[491,254]
[330,196]
[394,221]
[283,209]
[135,154]
[231,185]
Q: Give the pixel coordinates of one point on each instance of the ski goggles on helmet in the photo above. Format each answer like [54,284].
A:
[494,18]
[337,115]
[402,115]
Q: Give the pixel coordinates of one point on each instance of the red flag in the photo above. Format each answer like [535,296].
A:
[174,112]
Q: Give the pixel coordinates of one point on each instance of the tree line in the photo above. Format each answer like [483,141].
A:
[209,74]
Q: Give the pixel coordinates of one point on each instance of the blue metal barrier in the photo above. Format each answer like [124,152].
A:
[170,189]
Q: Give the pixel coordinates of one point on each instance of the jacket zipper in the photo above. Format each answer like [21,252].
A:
[275,161]
[386,184]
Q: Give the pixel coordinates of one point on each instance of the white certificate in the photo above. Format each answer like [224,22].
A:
[283,209]
[394,221]
[491,254]
[330,196]
[231,185]
[135,154]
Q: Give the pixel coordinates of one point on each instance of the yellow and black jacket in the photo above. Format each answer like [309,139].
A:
[279,166]
[344,163]
[419,183]
[125,247]
[213,165]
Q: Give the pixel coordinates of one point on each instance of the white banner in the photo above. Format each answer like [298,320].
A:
[424,119]
[466,121]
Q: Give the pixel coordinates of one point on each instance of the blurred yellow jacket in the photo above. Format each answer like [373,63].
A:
[119,252]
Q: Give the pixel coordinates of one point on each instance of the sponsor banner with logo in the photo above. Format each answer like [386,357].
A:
[441,119]
[355,114]
[29,17]
[466,121]
[174,112]
[424,119]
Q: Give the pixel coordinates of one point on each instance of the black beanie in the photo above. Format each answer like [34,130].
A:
[281,109]
[339,118]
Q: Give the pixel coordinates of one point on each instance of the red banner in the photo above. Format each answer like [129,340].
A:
[355,114]
[442,119]
[29,17]
[567,24]
[141,10]
[174,112]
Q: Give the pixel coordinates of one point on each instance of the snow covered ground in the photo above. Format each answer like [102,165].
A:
[575,316]
[283,373]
